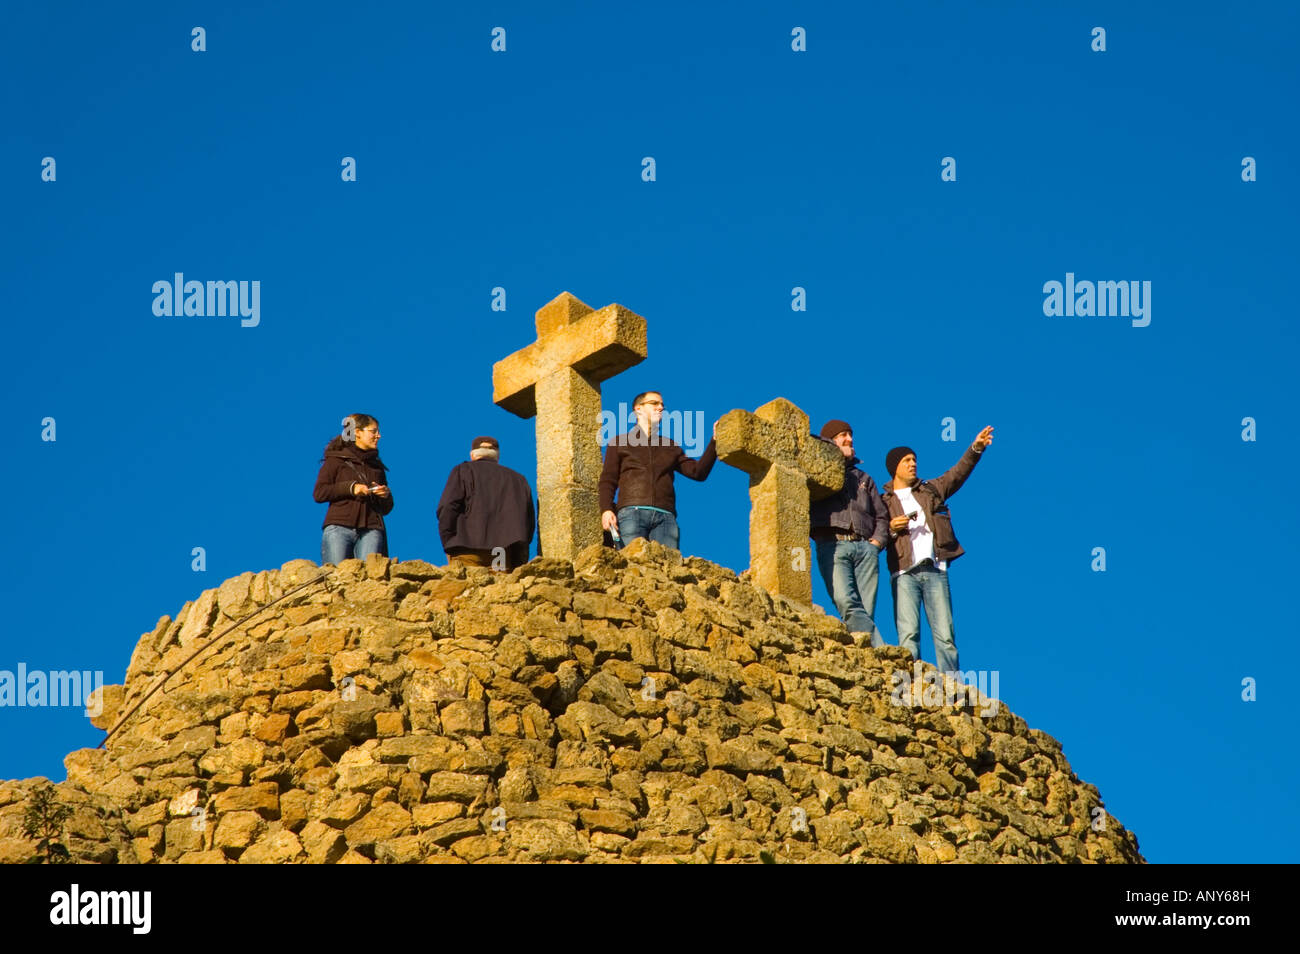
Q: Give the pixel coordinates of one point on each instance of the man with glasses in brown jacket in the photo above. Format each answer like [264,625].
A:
[638,471]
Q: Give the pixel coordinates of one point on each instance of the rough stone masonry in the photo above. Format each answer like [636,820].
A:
[623,707]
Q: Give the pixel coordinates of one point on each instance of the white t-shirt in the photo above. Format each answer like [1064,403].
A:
[920,532]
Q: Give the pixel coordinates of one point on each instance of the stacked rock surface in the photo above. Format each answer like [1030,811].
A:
[626,707]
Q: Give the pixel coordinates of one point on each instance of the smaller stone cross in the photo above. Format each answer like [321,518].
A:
[557,380]
[788,468]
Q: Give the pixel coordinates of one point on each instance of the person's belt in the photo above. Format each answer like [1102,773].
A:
[826,533]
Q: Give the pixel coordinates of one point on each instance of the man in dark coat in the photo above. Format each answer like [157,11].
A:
[849,529]
[486,515]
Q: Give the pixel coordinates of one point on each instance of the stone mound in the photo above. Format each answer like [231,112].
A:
[627,707]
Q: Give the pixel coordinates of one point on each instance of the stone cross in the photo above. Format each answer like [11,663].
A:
[788,468]
[557,380]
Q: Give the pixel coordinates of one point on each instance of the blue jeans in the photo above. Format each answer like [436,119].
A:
[341,543]
[658,525]
[929,584]
[851,571]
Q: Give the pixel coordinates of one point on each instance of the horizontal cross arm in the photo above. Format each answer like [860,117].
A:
[598,347]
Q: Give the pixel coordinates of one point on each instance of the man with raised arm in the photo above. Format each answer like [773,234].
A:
[922,544]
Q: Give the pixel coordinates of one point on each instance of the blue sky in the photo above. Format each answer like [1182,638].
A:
[774,169]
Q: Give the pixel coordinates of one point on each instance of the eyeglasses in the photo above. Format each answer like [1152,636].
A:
[650,404]
[369,430]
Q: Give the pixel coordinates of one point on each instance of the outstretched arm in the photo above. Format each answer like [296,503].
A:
[951,482]
[699,469]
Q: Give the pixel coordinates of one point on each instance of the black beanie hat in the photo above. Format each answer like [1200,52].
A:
[894,456]
[831,428]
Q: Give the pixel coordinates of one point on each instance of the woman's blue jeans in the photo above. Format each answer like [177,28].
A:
[342,543]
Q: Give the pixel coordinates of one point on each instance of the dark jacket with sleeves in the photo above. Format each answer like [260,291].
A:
[343,466]
[932,497]
[485,505]
[640,470]
[856,508]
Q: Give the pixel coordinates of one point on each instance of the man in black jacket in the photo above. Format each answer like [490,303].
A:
[849,529]
[486,515]
[639,467]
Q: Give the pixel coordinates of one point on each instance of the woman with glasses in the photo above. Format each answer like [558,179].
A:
[353,481]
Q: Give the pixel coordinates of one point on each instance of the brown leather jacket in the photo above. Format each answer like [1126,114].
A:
[932,496]
[641,470]
[342,467]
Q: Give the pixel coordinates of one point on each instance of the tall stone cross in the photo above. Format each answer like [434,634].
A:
[557,380]
[788,469]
